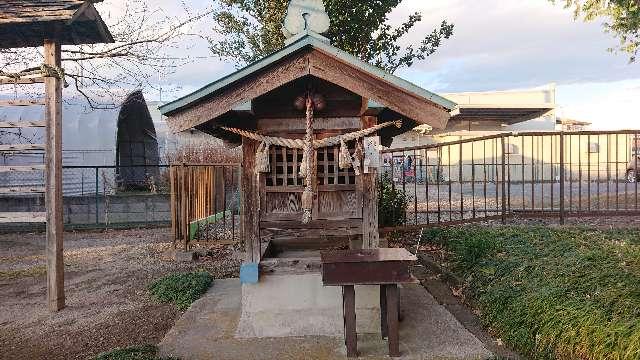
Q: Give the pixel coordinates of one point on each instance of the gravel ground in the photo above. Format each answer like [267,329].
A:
[106,274]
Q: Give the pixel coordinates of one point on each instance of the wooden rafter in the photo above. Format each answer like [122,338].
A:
[21,147]
[21,124]
[22,190]
[21,102]
[20,81]
[21,168]
[22,217]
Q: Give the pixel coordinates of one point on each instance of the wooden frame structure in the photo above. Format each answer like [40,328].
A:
[262,98]
[31,23]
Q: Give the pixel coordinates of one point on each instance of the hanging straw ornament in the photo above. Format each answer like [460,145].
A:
[303,165]
[262,158]
[357,158]
[344,157]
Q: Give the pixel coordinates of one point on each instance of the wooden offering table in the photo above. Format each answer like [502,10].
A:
[384,267]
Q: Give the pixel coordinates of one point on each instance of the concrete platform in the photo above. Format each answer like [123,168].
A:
[208,330]
[298,305]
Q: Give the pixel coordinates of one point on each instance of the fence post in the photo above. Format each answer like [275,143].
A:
[97,199]
[504,181]
[562,174]
[184,218]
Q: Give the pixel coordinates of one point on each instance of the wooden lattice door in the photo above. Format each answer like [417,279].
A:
[337,196]
[337,189]
[281,189]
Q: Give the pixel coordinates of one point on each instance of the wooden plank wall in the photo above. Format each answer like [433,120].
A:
[197,192]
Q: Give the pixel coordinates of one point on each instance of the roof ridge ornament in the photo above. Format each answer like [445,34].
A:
[305,16]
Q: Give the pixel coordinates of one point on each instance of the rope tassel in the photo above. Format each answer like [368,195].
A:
[262,158]
[344,158]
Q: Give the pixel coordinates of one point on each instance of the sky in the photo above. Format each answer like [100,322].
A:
[496,45]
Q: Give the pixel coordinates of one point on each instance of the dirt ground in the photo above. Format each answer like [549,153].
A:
[106,274]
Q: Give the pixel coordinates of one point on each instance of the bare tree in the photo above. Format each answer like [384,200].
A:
[149,44]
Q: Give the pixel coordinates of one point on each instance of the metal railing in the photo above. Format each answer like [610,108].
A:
[100,196]
[533,174]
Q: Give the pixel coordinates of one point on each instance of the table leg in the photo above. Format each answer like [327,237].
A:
[349,313]
[393,299]
[384,329]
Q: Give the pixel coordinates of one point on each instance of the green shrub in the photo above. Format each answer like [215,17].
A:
[392,203]
[552,293]
[145,352]
[181,289]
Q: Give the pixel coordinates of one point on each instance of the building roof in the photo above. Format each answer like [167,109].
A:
[566,121]
[26,23]
[313,42]
[507,107]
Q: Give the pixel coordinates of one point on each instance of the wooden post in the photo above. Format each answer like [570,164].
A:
[384,327]
[53,180]
[250,201]
[349,313]
[370,235]
[393,300]
[174,204]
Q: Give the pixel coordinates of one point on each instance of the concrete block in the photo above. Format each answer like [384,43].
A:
[77,209]
[138,207]
[125,217]
[162,205]
[159,216]
[115,206]
[274,306]
[80,218]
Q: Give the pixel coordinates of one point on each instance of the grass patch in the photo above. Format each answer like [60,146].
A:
[552,293]
[145,352]
[181,289]
[20,273]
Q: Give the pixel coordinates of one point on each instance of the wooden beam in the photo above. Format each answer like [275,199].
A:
[22,217]
[21,81]
[415,107]
[21,102]
[21,147]
[22,190]
[21,168]
[53,182]
[21,124]
[245,90]
[288,124]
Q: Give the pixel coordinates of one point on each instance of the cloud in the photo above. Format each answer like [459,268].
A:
[608,106]
[500,45]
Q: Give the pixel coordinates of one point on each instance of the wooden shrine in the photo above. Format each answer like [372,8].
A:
[308,118]
[34,23]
